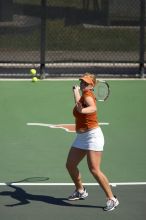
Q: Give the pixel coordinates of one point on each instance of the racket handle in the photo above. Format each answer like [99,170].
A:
[74,87]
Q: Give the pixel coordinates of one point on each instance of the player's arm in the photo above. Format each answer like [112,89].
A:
[91,106]
[76,93]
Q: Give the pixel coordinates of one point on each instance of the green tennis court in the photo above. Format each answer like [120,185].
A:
[40,150]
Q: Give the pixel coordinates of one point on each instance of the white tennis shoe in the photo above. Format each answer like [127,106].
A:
[111,204]
[77,195]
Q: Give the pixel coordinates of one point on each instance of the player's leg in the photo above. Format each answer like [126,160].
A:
[74,157]
[94,161]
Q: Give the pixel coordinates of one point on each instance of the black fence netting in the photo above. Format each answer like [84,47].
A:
[60,37]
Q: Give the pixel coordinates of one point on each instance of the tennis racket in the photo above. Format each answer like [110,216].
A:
[102,90]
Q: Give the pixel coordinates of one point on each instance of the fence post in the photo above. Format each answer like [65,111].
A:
[43,39]
[141,39]
[6,10]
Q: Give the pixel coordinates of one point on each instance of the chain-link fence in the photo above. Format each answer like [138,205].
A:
[67,38]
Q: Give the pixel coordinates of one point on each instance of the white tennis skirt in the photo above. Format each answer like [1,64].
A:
[90,140]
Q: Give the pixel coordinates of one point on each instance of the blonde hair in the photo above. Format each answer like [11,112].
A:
[92,76]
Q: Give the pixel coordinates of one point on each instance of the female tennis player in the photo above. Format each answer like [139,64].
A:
[89,142]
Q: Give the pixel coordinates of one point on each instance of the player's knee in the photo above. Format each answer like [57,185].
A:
[95,172]
[69,166]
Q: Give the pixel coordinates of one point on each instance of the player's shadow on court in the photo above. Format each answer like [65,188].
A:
[24,198]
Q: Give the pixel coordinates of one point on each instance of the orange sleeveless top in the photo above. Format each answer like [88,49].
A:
[88,121]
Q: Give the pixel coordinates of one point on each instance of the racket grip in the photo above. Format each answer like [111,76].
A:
[74,87]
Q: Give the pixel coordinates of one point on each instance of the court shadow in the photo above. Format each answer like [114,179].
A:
[24,198]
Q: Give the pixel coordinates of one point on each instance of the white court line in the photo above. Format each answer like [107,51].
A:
[72,184]
[61,126]
[53,125]
[73,79]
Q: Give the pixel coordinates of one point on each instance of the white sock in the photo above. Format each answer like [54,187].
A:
[114,199]
[81,190]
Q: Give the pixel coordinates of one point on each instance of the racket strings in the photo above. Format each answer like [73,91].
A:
[102,91]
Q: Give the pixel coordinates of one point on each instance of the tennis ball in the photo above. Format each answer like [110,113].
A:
[34,79]
[33,71]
